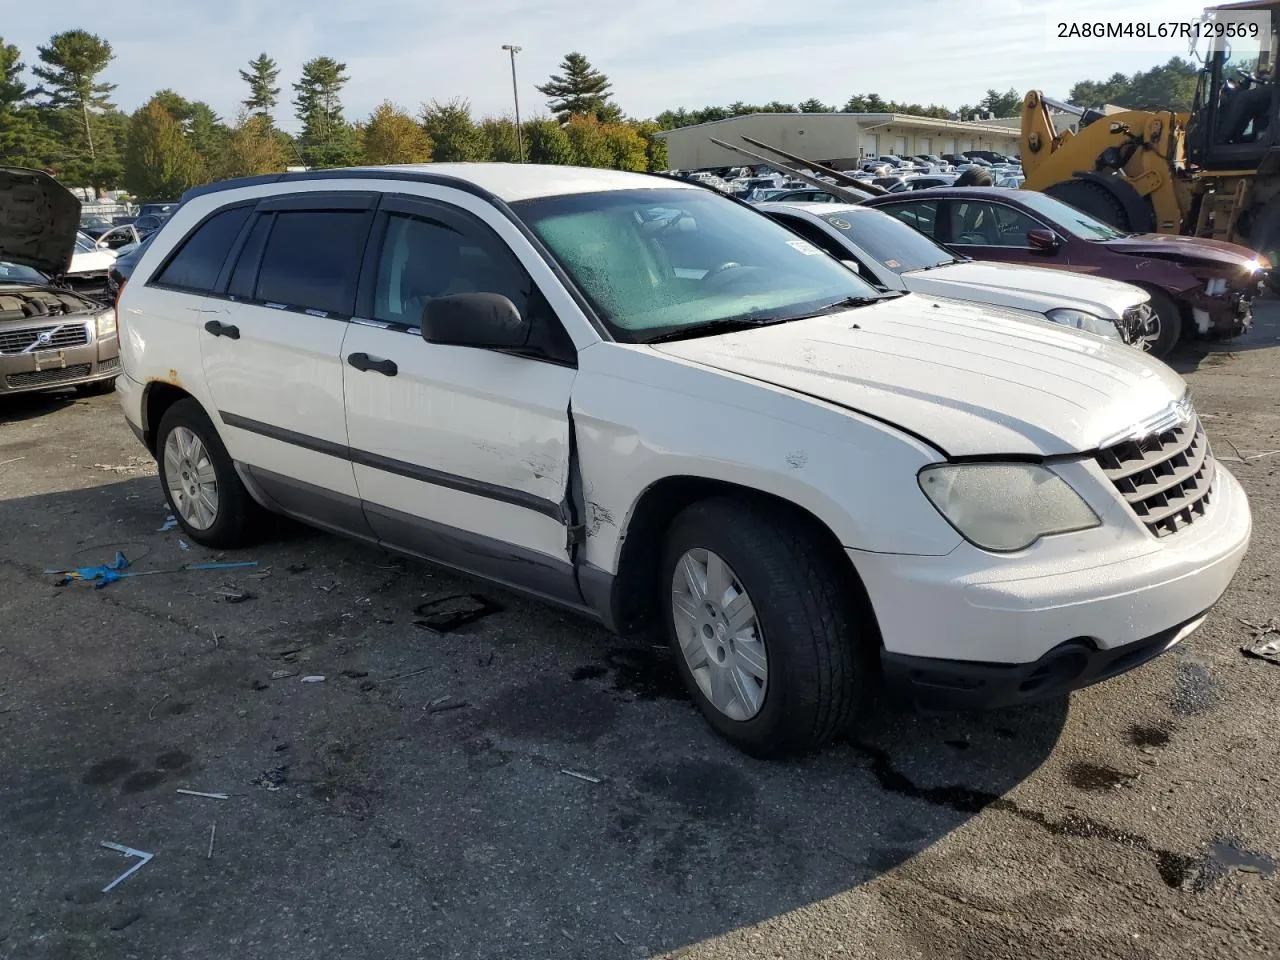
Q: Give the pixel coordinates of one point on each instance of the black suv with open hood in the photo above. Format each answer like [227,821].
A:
[49,336]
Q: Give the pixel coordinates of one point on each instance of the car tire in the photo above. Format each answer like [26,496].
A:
[1170,318]
[221,516]
[99,388]
[805,630]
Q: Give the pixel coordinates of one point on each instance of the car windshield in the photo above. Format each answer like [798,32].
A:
[1075,222]
[889,240]
[85,244]
[17,273]
[652,261]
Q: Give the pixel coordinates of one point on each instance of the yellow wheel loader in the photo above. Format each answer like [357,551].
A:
[1213,172]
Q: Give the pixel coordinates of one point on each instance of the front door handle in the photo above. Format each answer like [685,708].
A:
[363,362]
[220,329]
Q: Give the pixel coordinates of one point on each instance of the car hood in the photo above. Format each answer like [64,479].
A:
[971,380]
[39,218]
[1188,250]
[1032,288]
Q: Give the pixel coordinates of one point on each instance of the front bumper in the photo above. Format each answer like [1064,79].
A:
[972,614]
[56,368]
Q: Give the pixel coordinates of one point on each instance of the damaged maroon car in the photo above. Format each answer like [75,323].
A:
[1198,287]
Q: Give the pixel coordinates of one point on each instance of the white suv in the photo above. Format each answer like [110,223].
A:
[647,402]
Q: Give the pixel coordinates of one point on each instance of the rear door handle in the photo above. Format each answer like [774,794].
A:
[363,362]
[220,329]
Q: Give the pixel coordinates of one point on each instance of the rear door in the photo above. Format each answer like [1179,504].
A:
[272,350]
[461,454]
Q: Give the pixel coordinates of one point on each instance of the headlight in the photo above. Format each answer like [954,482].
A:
[106,324]
[1085,321]
[1005,506]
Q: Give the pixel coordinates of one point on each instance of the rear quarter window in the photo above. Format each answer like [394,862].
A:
[199,258]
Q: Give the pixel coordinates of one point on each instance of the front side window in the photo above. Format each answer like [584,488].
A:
[424,258]
[199,259]
[987,224]
[312,260]
[653,261]
[1075,222]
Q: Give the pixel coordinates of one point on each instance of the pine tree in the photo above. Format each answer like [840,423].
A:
[392,136]
[13,92]
[71,64]
[261,78]
[327,139]
[579,90]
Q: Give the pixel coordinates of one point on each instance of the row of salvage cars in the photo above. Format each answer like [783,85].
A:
[1059,263]
[678,416]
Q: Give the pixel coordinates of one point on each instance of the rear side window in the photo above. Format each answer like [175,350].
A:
[199,260]
[312,260]
[920,215]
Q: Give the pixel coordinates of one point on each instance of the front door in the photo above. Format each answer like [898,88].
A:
[461,454]
[272,350]
[987,230]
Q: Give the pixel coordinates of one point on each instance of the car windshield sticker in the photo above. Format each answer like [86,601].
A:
[838,223]
[804,246]
[894,264]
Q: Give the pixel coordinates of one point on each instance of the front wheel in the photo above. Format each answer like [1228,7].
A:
[1165,327]
[761,624]
[200,481]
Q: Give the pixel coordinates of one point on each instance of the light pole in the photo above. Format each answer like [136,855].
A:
[515,93]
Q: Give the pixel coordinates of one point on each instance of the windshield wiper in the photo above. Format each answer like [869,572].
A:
[712,327]
[848,302]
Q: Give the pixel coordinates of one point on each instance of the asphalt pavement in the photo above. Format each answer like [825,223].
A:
[480,775]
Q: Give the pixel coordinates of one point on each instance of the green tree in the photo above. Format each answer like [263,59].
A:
[590,147]
[500,132]
[579,90]
[206,131]
[13,92]
[453,134]
[70,66]
[813,105]
[261,77]
[655,147]
[625,146]
[327,139]
[546,142]
[392,136]
[252,147]
[160,163]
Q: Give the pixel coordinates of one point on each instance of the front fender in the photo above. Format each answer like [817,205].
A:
[641,417]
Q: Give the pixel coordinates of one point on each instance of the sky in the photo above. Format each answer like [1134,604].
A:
[659,54]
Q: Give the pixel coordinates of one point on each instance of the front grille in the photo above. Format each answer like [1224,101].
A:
[35,378]
[1166,477]
[112,363]
[67,335]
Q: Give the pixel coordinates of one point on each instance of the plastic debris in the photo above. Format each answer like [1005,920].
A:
[151,714]
[283,674]
[143,859]
[1266,641]
[201,793]
[183,545]
[445,614]
[313,679]
[212,830]
[170,522]
[441,704]
[111,572]
[14,460]
[582,776]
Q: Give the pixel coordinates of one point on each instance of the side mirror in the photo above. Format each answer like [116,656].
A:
[474,320]
[1042,241]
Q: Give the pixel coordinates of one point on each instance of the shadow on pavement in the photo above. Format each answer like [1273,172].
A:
[1265,332]
[26,406]
[523,785]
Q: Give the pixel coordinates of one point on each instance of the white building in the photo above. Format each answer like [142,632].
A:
[833,139]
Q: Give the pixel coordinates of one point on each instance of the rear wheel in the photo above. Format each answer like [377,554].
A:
[200,481]
[1165,327]
[760,621]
